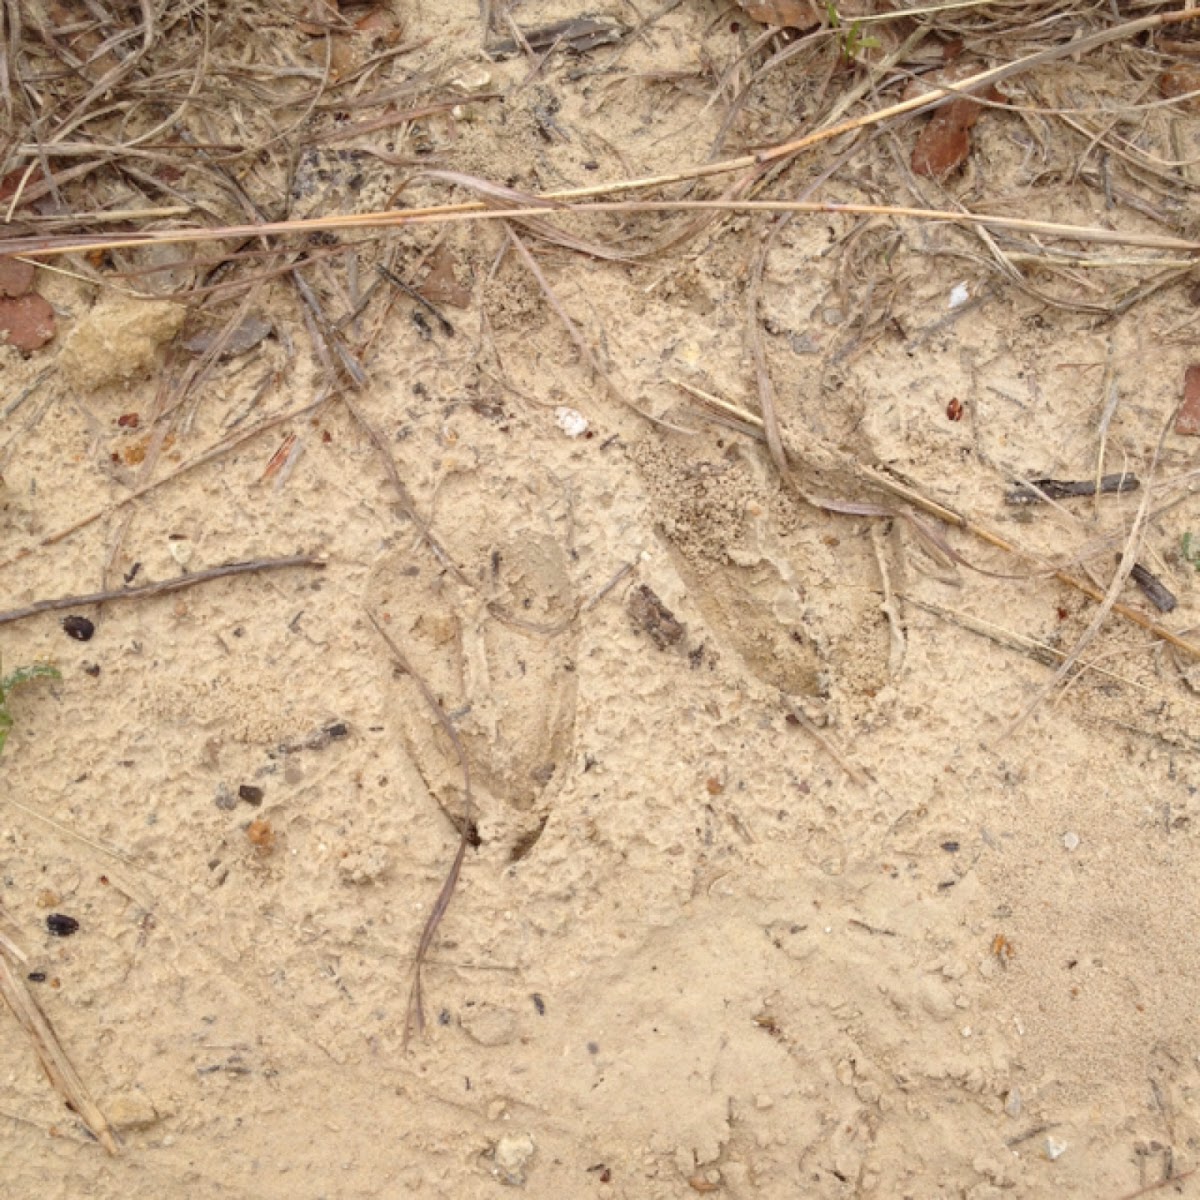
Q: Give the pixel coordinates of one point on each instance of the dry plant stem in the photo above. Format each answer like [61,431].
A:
[407,503]
[1108,599]
[826,744]
[878,479]
[51,1055]
[38,247]
[923,103]
[414,1016]
[256,566]
[221,448]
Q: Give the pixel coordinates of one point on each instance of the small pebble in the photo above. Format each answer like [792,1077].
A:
[1054,1148]
[1071,841]
[79,628]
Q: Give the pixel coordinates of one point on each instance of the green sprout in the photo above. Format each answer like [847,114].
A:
[853,40]
[15,679]
[1190,555]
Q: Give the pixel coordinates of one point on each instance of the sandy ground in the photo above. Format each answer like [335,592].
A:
[694,951]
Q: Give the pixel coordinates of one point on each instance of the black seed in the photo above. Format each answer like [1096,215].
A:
[539,1004]
[251,794]
[80,628]
[36,976]
[61,925]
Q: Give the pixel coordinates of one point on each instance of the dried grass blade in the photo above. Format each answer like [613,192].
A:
[52,1056]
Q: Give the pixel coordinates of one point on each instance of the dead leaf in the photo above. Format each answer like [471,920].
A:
[787,14]
[26,322]
[380,23]
[441,285]
[317,17]
[945,142]
[1187,420]
[1181,81]
[16,276]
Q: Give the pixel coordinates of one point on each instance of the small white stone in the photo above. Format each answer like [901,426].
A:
[959,295]
[512,1157]
[1012,1104]
[573,424]
[1055,1148]
[1071,840]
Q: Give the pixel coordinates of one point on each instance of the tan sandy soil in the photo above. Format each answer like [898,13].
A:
[694,951]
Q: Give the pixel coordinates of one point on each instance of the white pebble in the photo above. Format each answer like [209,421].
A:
[572,423]
[959,295]
[1055,1148]
[1071,840]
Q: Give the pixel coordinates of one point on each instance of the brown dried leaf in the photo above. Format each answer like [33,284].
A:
[788,14]
[1181,81]
[16,276]
[26,322]
[382,24]
[441,285]
[943,145]
[1187,420]
[317,17]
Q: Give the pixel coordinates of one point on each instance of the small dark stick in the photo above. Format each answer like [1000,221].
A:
[1156,591]
[1062,489]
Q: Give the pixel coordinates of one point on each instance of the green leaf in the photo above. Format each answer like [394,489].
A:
[25,674]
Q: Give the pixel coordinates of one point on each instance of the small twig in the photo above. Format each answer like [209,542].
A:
[163,586]
[414,295]
[827,744]
[207,456]
[414,1016]
[51,1055]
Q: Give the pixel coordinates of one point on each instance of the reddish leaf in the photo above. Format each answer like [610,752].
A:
[1187,421]
[1180,81]
[26,322]
[945,142]
[16,277]
[318,17]
[380,23]
[441,285]
[17,179]
[788,14]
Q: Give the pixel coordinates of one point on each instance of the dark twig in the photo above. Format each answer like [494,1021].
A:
[413,294]
[162,587]
[414,1015]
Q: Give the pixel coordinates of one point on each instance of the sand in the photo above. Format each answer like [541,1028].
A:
[694,948]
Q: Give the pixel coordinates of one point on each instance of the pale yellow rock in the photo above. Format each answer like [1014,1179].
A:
[119,340]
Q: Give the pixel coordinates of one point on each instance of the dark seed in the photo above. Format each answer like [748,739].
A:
[251,794]
[60,925]
[80,628]
[950,847]
[539,1004]
[36,976]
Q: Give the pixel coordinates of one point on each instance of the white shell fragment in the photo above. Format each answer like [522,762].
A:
[512,1159]
[572,423]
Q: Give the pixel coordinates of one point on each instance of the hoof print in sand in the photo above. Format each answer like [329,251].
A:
[498,653]
[771,578]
